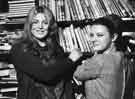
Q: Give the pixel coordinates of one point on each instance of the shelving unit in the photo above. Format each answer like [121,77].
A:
[73,18]
[8,81]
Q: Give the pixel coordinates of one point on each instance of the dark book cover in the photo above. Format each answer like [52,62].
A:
[4,7]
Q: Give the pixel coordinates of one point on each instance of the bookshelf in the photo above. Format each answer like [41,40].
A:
[8,82]
[73,18]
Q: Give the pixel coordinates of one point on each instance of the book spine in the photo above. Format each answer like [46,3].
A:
[79,40]
[67,13]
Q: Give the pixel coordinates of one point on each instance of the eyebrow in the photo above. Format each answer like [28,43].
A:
[34,20]
[45,20]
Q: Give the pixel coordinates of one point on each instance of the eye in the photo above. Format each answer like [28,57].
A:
[34,21]
[91,35]
[100,34]
[45,22]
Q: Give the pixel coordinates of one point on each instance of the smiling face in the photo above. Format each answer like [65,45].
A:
[100,38]
[40,26]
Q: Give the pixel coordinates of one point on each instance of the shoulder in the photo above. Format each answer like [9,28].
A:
[113,56]
[16,49]
[110,59]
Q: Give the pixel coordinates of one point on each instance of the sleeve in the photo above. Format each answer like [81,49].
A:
[5,57]
[90,69]
[129,68]
[33,66]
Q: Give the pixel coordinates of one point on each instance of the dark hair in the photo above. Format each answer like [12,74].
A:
[104,21]
[117,21]
[113,22]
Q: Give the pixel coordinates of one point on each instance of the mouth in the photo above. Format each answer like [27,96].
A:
[40,30]
[95,44]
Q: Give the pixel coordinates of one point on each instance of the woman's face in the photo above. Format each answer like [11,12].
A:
[40,26]
[100,38]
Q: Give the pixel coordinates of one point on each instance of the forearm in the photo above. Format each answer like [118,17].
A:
[84,73]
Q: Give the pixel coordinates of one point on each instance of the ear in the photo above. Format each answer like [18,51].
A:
[114,37]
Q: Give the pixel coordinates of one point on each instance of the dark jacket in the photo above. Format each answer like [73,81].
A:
[39,81]
[130,77]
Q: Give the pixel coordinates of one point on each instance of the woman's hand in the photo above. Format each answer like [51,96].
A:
[75,54]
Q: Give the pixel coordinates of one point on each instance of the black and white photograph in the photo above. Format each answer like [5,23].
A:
[67,49]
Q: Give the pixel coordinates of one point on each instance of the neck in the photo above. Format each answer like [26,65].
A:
[111,49]
[41,43]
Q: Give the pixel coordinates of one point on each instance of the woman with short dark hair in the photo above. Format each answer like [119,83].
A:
[103,74]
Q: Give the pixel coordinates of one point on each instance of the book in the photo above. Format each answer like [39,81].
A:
[68,47]
[8,89]
[77,10]
[67,11]
[20,1]
[62,39]
[74,38]
[107,6]
[79,39]
[81,12]
[4,72]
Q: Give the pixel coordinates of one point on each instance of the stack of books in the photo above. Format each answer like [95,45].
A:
[19,8]
[8,81]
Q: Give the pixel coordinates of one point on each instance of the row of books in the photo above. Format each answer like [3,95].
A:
[71,10]
[77,37]
[66,10]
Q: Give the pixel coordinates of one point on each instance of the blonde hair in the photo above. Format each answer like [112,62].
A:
[48,14]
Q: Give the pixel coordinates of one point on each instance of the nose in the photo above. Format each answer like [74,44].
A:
[93,38]
[41,25]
